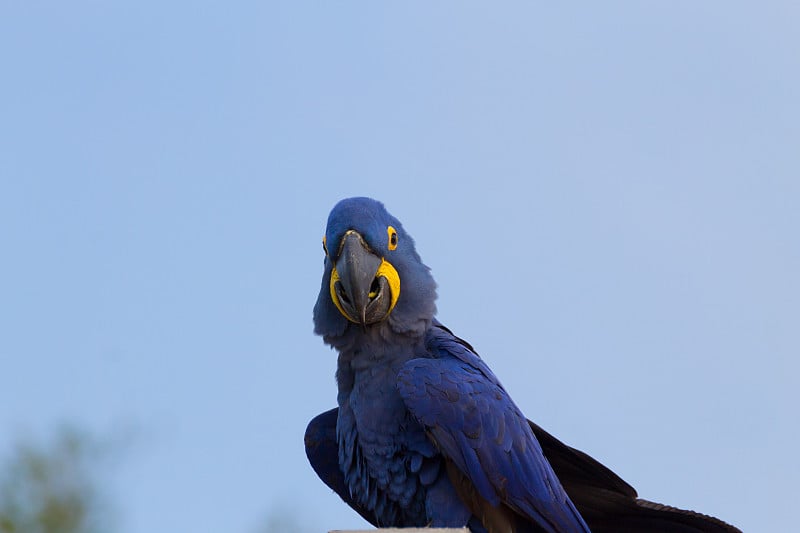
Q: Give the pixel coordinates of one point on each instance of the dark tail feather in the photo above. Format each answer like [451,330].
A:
[610,505]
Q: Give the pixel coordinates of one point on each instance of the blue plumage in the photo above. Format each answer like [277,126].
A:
[424,433]
[478,427]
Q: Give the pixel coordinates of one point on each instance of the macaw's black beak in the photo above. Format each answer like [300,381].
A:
[364,295]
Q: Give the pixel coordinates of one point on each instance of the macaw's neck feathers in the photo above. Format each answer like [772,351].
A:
[416,306]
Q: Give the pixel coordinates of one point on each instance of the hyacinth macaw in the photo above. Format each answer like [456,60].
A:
[425,434]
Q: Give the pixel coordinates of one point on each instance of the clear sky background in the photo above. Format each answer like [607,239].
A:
[608,195]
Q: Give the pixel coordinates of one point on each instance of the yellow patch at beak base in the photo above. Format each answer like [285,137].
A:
[385,270]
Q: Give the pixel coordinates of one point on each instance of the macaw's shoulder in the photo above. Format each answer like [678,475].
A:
[443,343]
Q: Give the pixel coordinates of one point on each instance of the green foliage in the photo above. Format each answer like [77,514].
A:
[58,485]
[52,488]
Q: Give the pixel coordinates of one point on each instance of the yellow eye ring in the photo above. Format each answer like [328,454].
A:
[392,233]
[325,244]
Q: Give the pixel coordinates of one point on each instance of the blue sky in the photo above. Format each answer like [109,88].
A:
[607,196]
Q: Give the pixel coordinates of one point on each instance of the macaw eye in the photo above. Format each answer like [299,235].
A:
[392,237]
[324,244]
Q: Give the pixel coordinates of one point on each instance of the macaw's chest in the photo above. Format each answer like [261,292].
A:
[369,387]
[387,434]
[376,402]
[382,447]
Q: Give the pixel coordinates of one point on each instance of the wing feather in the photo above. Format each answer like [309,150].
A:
[481,431]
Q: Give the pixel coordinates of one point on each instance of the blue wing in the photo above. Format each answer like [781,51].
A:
[483,434]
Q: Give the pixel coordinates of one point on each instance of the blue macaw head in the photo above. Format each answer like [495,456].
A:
[373,275]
